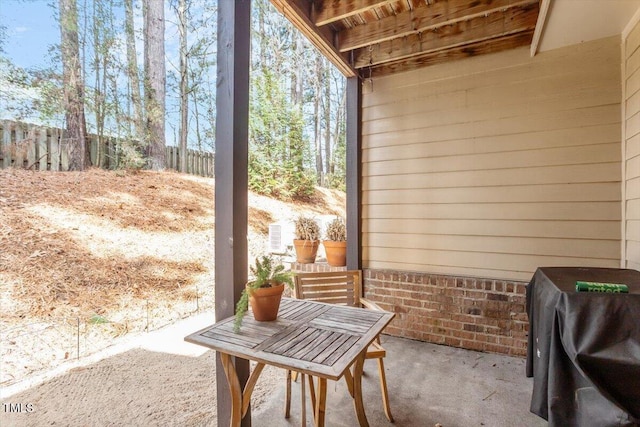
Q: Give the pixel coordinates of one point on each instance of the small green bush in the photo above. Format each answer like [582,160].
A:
[283,182]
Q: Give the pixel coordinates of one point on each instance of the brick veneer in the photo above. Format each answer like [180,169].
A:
[472,313]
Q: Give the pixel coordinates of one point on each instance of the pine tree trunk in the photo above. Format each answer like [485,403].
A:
[327,120]
[339,124]
[297,79]
[155,82]
[73,86]
[316,115]
[133,72]
[184,95]
[98,104]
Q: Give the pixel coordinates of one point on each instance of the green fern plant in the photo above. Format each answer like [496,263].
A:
[265,273]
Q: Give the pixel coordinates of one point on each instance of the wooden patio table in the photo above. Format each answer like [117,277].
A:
[313,338]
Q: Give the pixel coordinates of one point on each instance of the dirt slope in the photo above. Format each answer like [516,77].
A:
[95,244]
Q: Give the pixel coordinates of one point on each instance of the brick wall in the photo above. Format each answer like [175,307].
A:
[472,313]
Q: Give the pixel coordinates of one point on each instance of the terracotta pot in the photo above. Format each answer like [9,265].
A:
[306,250]
[336,253]
[265,302]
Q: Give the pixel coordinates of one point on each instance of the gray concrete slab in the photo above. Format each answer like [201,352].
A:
[158,379]
[428,384]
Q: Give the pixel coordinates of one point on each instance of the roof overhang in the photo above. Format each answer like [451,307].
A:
[373,38]
[379,37]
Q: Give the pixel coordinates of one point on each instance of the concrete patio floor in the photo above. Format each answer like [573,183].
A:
[158,379]
[428,385]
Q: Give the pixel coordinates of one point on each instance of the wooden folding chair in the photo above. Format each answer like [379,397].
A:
[344,288]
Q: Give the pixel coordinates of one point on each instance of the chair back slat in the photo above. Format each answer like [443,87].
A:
[335,287]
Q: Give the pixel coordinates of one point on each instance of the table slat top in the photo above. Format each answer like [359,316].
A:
[311,337]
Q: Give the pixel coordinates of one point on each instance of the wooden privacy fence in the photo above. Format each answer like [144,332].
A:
[39,148]
[198,162]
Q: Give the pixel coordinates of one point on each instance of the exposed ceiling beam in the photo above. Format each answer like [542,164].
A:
[421,19]
[328,11]
[494,25]
[542,17]
[298,13]
[484,47]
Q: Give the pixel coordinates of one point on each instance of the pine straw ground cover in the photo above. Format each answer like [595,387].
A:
[87,256]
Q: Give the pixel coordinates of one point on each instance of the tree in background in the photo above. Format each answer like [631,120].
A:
[184,83]
[133,73]
[154,82]
[102,63]
[296,111]
[277,144]
[73,86]
[192,80]
[297,118]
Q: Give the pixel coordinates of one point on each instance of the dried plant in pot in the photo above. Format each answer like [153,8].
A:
[307,239]
[335,244]
[263,291]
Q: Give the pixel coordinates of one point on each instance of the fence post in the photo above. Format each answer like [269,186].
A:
[42,149]
[6,144]
[64,153]
[19,149]
[31,147]
[93,150]
[55,149]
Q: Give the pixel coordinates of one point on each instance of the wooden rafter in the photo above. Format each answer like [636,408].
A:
[542,17]
[378,37]
[421,19]
[328,11]
[478,29]
[480,48]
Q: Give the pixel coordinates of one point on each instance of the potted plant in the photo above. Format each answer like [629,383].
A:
[263,291]
[335,244]
[307,239]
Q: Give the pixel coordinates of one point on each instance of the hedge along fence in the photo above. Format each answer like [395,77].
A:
[28,146]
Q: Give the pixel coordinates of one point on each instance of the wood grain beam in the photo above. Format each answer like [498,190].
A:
[298,13]
[231,184]
[328,11]
[494,25]
[426,17]
[354,173]
[467,51]
[542,17]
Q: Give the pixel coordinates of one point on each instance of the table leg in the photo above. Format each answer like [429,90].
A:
[240,399]
[348,378]
[234,387]
[321,402]
[303,402]
[287,396]
[312,393]
[357,389]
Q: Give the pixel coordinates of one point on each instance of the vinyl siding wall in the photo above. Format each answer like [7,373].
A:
[495,165]
[631,148]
